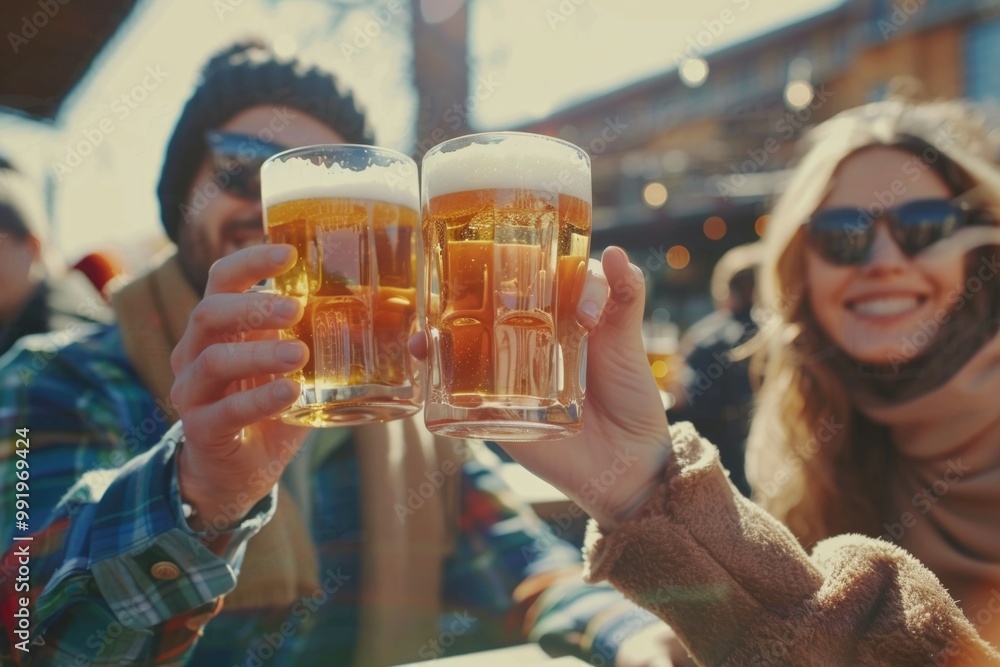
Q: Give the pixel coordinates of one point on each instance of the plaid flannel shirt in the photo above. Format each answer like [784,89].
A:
[116,577]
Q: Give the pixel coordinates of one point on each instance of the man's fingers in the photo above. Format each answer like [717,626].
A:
[221,364]
[218,423]
[245,268]
[229,317]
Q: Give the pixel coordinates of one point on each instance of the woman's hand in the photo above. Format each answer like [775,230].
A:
[610,468]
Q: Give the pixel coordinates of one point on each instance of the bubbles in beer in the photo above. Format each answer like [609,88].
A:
[509,266]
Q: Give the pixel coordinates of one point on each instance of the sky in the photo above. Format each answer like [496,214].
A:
[106,148]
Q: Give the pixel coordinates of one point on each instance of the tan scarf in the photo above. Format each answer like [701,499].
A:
[402,558]
[944,484]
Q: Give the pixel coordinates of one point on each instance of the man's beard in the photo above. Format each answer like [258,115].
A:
[195,254]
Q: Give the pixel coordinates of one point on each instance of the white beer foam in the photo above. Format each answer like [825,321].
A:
[299,178]
[517,162]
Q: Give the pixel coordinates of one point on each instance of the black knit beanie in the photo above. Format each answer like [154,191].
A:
[244,75]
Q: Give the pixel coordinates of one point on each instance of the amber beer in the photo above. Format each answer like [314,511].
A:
[506,232]
[353,220]
[660,341]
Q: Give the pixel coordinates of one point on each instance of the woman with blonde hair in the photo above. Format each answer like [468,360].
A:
[880,413]
[879,417]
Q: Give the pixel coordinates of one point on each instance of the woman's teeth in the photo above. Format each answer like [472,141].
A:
[885,307]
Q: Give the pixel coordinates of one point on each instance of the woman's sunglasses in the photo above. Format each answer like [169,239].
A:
[844,236]
[236,161]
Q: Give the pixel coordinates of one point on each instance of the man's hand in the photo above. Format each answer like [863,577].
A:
[234,451]
[654,646]
[610,469]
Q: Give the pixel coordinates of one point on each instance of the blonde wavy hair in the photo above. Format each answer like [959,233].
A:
[814,461]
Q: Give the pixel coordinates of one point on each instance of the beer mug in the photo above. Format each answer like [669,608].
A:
[506,235]
[351,213]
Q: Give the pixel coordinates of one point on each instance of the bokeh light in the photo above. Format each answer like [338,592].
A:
[655,195]
[761,224]
[714,228]
[693,72]
[678,257]
[798,94]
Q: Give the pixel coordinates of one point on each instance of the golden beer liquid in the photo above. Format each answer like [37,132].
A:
[357,272]
[506,268]
[663,366]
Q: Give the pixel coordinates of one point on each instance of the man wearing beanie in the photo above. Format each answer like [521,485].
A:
[173,523]
[35,295]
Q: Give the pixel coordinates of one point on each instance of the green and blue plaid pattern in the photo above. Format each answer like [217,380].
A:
[105,508]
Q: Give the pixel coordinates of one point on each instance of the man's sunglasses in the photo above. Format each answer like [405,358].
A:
[236,161]
[844,236]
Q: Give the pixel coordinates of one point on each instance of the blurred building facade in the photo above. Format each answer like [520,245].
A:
[686,164]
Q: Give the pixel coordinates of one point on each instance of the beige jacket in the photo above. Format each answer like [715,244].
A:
[739,590]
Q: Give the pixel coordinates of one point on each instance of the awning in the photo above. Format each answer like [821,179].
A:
[48,46]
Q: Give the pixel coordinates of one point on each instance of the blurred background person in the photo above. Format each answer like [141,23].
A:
[713,391]
[37,292]
[104,271]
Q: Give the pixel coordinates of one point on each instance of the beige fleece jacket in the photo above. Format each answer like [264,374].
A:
[738,589]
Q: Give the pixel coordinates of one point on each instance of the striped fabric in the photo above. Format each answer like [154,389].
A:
[105,519]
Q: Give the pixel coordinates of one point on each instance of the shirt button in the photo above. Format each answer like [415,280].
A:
[165,571]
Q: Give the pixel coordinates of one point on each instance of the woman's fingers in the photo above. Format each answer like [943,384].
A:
[614,292]
[627,287]
[594,295]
